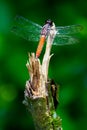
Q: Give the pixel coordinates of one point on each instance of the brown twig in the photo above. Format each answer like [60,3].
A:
[40,92]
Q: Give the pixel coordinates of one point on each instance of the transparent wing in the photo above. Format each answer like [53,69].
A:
[69,29]
[64,40]
[26,29]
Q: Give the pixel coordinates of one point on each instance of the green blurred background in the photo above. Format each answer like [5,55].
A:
[68,66]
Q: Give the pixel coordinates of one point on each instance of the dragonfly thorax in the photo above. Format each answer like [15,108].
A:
[46,28]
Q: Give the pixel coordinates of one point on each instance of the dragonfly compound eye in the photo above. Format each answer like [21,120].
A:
[50,22]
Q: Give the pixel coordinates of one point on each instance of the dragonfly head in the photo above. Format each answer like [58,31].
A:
[50,22]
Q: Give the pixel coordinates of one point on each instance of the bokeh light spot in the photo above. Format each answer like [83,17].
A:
[8,93]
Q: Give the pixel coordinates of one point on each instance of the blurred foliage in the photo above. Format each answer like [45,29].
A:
[68,66]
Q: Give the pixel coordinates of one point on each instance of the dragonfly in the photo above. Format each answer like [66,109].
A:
[32,31]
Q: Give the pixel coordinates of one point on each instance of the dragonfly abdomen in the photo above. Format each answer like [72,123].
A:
[40,46]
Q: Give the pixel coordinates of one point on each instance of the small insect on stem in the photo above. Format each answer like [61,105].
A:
[34,32]
[44,33]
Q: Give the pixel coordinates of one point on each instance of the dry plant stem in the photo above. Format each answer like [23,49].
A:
[40,93]
[47,56]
